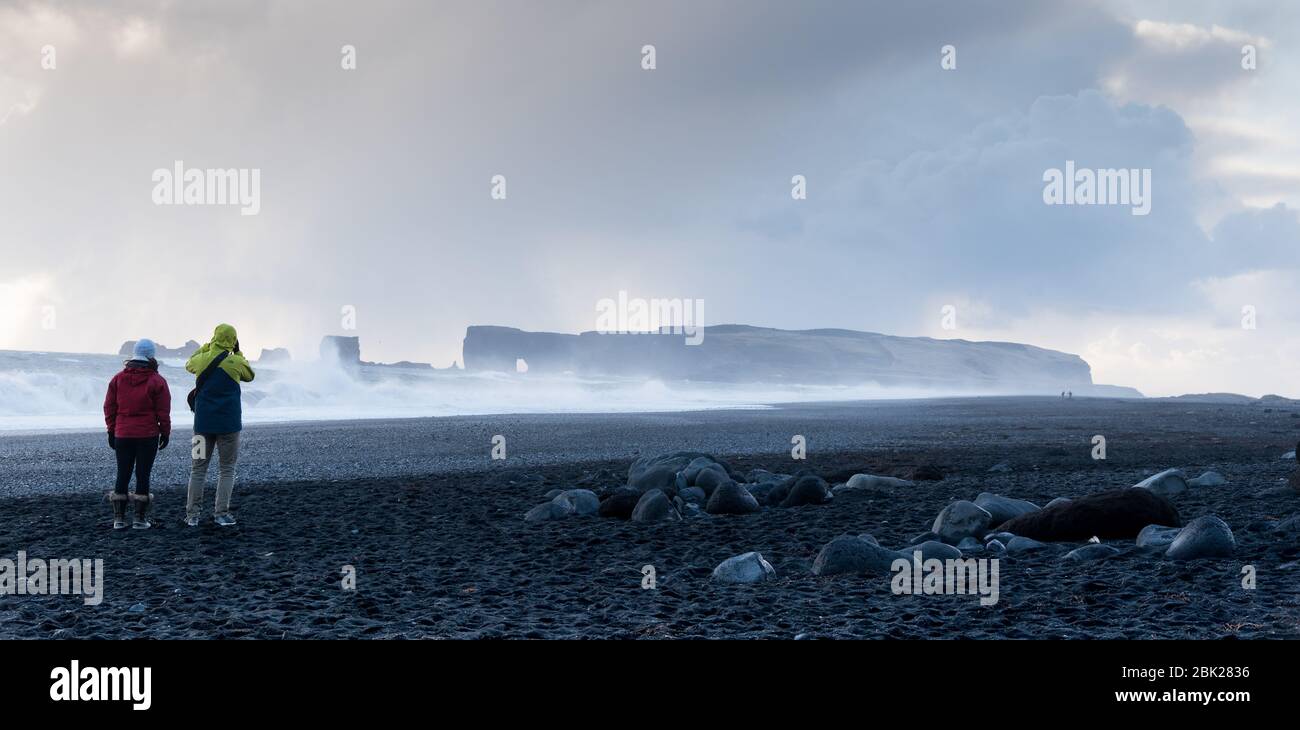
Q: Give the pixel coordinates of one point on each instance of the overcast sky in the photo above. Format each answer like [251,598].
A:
[924,184]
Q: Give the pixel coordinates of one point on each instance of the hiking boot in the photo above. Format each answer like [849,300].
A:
[192,520]
[226,520]
[119,513]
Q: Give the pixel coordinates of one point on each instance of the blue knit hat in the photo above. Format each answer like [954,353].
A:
[144,350]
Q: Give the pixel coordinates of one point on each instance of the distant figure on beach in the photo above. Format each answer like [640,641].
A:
[218,418]
[137,411]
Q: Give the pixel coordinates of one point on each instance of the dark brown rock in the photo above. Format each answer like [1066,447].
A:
[1112,515]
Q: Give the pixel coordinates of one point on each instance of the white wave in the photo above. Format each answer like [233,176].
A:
[40,392]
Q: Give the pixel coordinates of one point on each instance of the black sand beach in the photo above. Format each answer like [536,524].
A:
[436,533]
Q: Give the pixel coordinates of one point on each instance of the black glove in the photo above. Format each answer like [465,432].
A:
[112,441]
[163,440]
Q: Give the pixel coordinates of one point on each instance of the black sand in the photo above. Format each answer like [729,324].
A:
[435,530]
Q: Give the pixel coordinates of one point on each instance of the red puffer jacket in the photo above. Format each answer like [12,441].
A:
[139,403]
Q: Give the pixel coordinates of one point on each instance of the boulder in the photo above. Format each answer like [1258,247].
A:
[1168,483]
[709,479]
[762,491]
[1203,537]
[1058,501]
[1002,537]
[923,537]
[731,499]
[665,468]
[556,509]
[1117,514]
[807,490]
[1001,508]
[1092,552]
[654,506]
[934,549]
[851,554]
[763,475]
[745,568]
[1157,536]
[699,464]
[961,519]
[659,477]
[1020,544]
[995,547]
[585,502]
[969,543]
[872,481]
[1208,479]
[693,495]
[621,503]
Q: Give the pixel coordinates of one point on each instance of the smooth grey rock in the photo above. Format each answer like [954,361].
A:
[1020,544]
[1208,479]
[659,477]
[693,495]
[1157,536]
[851,554]
[1168,483]
[1002,537]
[1058,501]
[731,499]
[807,490]
[872,481]
[995,546]
[660,471]
[1001,508]
[744,568]
[556,509]
[654,506]
[923,537]
[710,479]
[699,464]
[970,543]
[869,538]
[934,549]
[1095,551]
[1203,537]
[585,502]
[761,490]
[961,519]
[553,493]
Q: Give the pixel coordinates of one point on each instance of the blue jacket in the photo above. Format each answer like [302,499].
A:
[217,407]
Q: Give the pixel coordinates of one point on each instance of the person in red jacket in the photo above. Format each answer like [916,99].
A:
[137,411]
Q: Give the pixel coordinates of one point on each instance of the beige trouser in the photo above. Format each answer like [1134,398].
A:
[227,447]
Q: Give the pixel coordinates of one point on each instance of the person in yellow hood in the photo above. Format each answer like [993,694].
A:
[218,418]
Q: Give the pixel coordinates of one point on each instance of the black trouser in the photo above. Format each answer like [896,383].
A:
[137,454]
